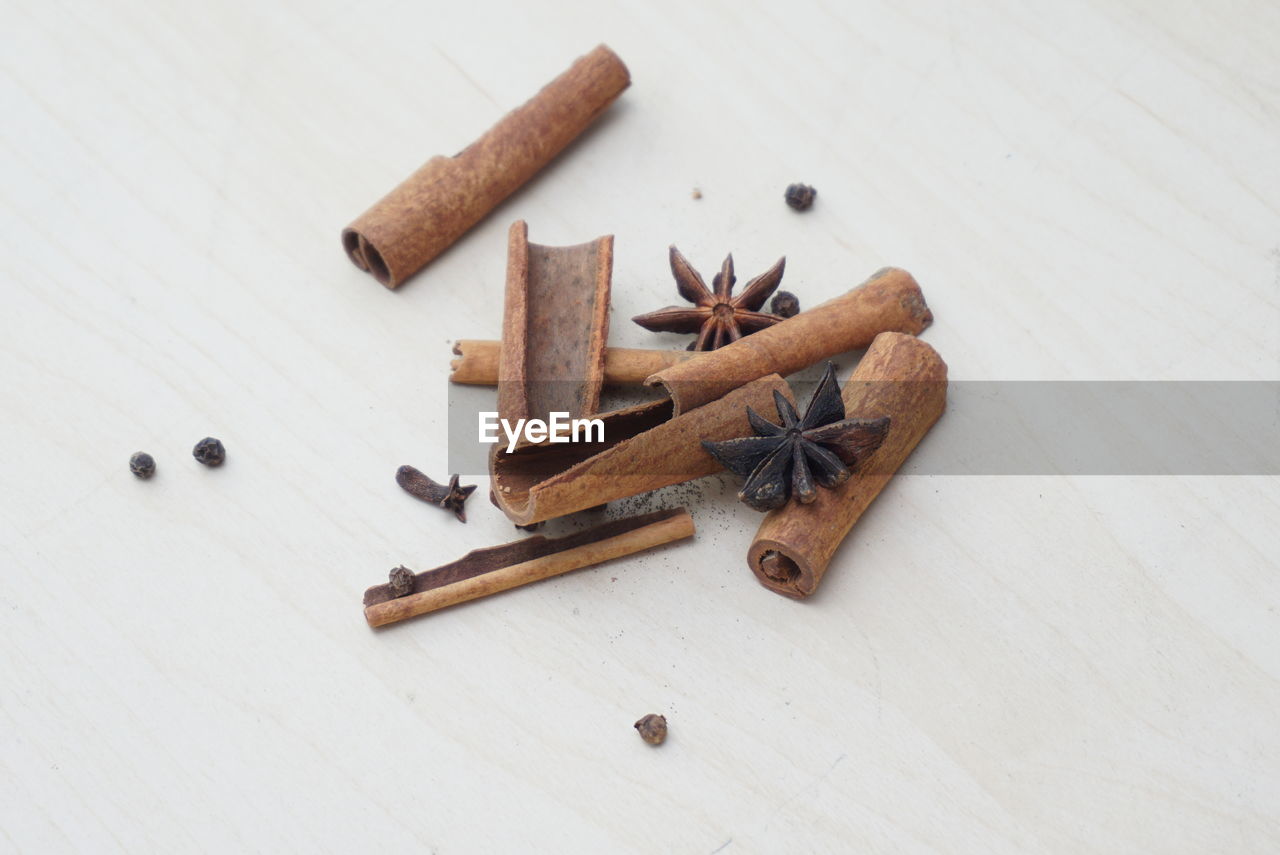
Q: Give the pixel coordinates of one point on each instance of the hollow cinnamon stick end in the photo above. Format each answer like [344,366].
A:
[409,226]
[781,570]
[365,256]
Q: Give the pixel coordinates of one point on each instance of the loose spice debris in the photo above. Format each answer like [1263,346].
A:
[801,454]
[652,729]
[142,465]
[800,196]
[718,318]
[451,497]
[209,451]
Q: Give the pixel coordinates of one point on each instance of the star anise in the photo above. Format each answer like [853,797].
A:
[716,316]
[801,454]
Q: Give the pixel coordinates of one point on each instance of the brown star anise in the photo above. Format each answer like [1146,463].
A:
[802,453]
[717,317]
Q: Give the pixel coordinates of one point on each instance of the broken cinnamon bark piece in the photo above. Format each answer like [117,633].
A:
[554,325]
[482,572]
[644,448]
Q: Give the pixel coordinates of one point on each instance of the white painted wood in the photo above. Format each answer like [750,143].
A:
[1034,664]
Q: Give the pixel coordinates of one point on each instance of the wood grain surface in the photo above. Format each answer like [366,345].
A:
[1034,664]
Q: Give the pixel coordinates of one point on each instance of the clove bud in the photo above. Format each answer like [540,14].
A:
[451,497]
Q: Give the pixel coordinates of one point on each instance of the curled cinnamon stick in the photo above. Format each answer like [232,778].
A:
[477,363]
[644,448]
[434,206]
[482,572]
[900,377]
[890,301]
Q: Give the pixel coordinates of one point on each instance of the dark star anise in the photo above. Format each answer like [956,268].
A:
[716,316]
[801,454]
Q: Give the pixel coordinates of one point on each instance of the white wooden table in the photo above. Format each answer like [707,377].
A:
[994,664]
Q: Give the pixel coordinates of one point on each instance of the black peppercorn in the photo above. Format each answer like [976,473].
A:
[142,464]
[800,196]
[209,451]
[652,729]
[401,581]
[785,304]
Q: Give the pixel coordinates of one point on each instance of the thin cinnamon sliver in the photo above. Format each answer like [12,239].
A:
[477,363]
[482,572]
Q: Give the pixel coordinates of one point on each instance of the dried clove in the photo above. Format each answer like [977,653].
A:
[652,729]
[800,196]
[451,497]
[401,581]
[209,451]
[142,465]
[785,304]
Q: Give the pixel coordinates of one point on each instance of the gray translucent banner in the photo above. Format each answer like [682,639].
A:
[1038,428]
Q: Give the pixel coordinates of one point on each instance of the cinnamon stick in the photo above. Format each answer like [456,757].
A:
[477,363]
[900,377]
[890,301]
[554,325]
[482,572]
[644,448]
[436,205]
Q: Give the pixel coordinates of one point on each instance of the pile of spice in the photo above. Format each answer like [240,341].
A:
[724,403]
